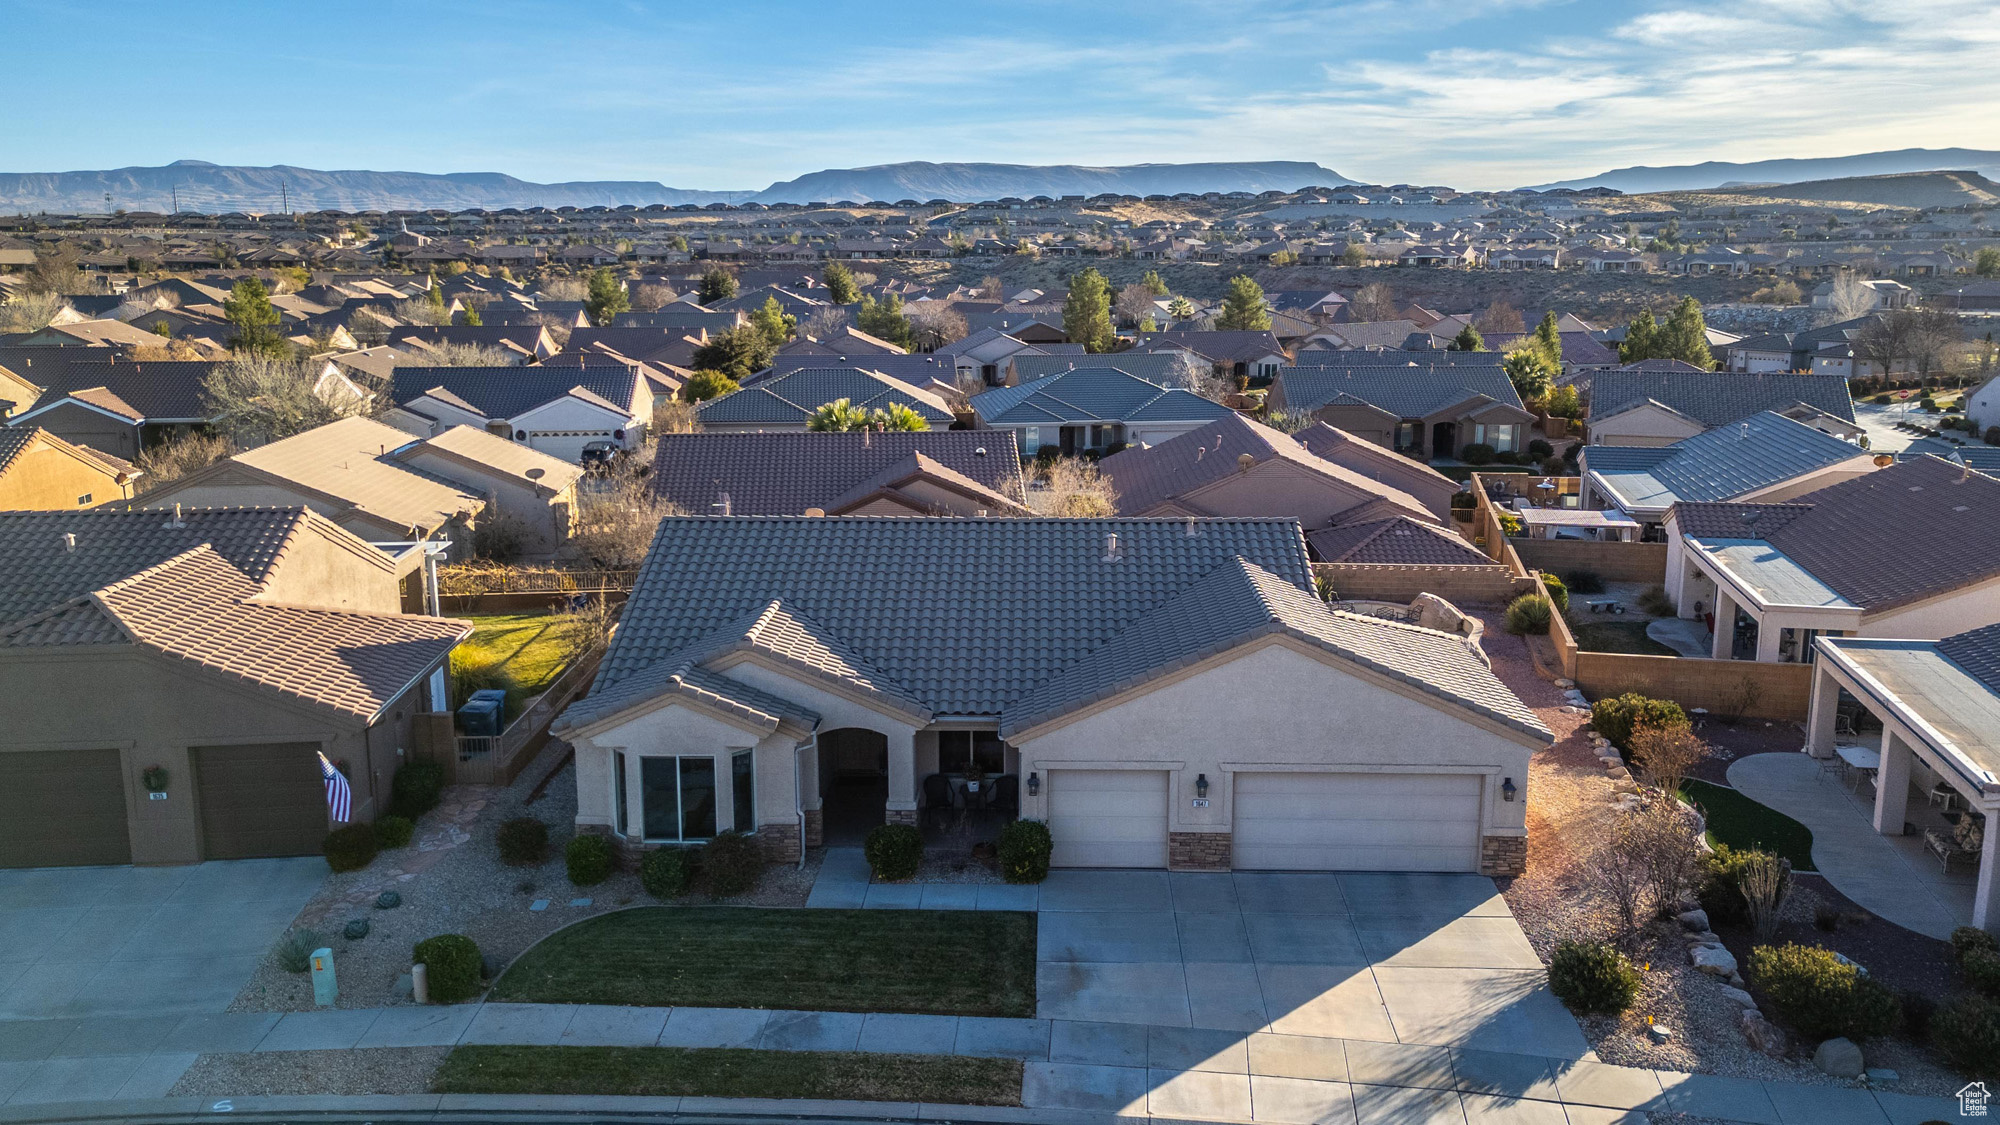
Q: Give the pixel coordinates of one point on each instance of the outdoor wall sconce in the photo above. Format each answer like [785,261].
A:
[1507,789]
[1201,785]
[1034,784]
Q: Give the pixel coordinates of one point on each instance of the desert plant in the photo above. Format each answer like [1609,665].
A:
[1025,847]
[894,851]
[1722,894]
[350,847]
[1820,995]
[1622,875]
[416,789]
[1763,880]
[1656,602]
[1584,581]
[294,951]
[1965,939]
[1663,839]
[1529,613]
[1967,1033]
[1666,754]
[588,860]
[394,831]
[523,841]
[668,872]
[731,863]
[452,964]
[1618,716]
[1592,978]
[1558,593]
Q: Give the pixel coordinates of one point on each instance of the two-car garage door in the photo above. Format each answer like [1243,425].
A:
[1356,822]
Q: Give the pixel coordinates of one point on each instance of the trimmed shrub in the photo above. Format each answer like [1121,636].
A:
[451,961]
[350,847]
[1558,593]
[1965,939]
[1554,467]
[894,851]
[732,863]
[1507,457]
[1820,996]
[1465,501]
[1592,978]
[294,951]
[416,788]
[1025,847]
[1967,1033]
[588,859]
[1477,453]
[1721,892]
[523,842]
[1617,717]
[1883,400]
[1584,582]
[1991,436]
[1982,970]
[394,831]
[1529,613]
[1541,450]
[668,872]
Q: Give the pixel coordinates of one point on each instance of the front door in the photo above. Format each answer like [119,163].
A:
[1444,440]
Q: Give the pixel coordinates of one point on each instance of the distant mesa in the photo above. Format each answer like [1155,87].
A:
[1720,174]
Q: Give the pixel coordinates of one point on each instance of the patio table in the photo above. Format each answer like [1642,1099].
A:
[1861,761]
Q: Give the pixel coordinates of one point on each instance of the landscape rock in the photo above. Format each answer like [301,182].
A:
[1659,1033]
[1703,937]
[1713,960]
[1762,1034]
[1840,1058]
[1562,683]
[1693,920]
[1730,992]
[1625,785]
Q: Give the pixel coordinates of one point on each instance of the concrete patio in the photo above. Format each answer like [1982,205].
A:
[1891,876]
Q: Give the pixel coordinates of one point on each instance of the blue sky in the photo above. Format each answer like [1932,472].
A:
[1475,93]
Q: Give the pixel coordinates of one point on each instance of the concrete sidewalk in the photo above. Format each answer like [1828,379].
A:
[1088,1068]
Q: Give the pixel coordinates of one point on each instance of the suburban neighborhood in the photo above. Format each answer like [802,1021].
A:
[1200,642]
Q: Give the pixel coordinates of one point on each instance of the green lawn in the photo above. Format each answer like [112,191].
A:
[963,963]
[1740,822]
[534,648]
[1614,636]
[719,1072]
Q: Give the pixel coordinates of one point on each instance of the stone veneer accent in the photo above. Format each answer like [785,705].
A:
[1198,851]
[901,816]
[779,841]
[1503,856]
[815,828]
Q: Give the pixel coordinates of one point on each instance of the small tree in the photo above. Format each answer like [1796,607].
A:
[615,522]
[1243,308]
[257,399]
[1548,341]
[1500,318]
[1180,308]
[31,311]
[840,284]
[1352,256]
[453,353]
[738,353]
[1667,754]
[1986,263]
[842,416]
[1087,312]
[1665,842]
[716,285]
[177,457]
[884,319]
[248,307]
[1374,301]
[933,324]
[774,322]
[1641,339]
[706,384]
[652,296]
[1530,371]
[1468,340]
[605,298]
[1073,489]
[1135,303]
[1686,335]
[1155,286]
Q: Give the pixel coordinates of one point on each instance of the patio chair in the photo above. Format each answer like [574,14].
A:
[938,797]
[1007,794]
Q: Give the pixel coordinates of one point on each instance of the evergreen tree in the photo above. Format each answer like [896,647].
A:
[1548,340]
[716,285]
[1641,339]
[249,308]
[1468,340]
[1087,312]
[1151,280]
[840,284]
[1685,336]
[1243,307]
[605,299]
[435,296]
[706,384]
[737,353]
[774,322]
[884,320]
[472,316]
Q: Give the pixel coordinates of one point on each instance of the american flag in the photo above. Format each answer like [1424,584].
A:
[339,798]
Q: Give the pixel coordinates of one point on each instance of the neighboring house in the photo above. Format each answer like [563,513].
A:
[1764,458]
[1433,411]
[928,472]
[983,356]
[1982,404]
[927,372]
[786,403]
[1236,467]
[1911,550]
[517,481]
[1395,541]
[527,343]
[560,411]
[1431,488]
[1803,351]
[1237,355]
[1655,408]
[230,648]
[1092,410]
[40,471]
[1114,678]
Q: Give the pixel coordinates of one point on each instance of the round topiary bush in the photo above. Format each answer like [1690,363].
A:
[1529,613]
[668,872]
[451,961]
[1541,450]
[732,863]
[523,842]
[394,831]
[894,851]
[1477,453]
[1821,996]
[1967,1033]
[1592,978]
[1618,716]
[350,847]
[416,789]
[1025,847]
[589,860]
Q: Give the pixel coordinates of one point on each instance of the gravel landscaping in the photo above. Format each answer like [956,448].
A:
[451,880]
[384,1070]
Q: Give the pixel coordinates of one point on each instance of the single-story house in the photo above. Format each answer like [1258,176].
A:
[226,649]
[1092,410]
[1372,460]
[1236,354]
[1654,408]
[1911,550]
[528,343]
[1764,458]
[786,403]
[40,471]
[983,356]
[926,472]
[1434,409]
[781,676]
[560,411]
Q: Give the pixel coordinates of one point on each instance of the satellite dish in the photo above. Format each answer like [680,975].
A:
[535,474]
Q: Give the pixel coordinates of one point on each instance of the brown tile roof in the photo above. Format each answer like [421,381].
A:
[349,460]
[783,474]
[1397,540]
[503,457]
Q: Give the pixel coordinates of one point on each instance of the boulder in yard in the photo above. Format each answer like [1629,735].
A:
[1740,996]
[1713,960]
[1762,1034]
[1840,1058]
[1693,920]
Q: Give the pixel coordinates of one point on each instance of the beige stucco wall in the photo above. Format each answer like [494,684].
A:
[545,522]
[50,479]
[1643,426]
[1857,466]
[682,731]
[1275,707]
[1973,607]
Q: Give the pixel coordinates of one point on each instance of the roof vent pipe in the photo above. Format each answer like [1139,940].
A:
[69,542]
[1112,552]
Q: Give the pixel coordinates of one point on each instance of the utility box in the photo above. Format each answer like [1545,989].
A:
[325,990]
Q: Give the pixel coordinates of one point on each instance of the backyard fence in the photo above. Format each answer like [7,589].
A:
[498,759]
[1611,561]
[512,589]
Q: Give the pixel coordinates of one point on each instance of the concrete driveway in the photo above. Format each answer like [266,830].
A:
[142,941]
[1422,959]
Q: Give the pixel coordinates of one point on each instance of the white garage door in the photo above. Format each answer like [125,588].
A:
[1356,822]
[1108,818]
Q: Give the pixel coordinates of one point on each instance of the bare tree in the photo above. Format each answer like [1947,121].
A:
[31,311]
[825,323]
[1661,836]
[417,310]
[935,323]
[56,271]
[455,354]
[1667,754]
[1374,301]
[1620,873]
[1073,489]
[1500,317]
[652,296]
[616,517]
[171,460]
[563,289]
[674,416]
[1923,339]
[1135,303]
[991,288]
[257,399]
[1851,297]
[1191,373]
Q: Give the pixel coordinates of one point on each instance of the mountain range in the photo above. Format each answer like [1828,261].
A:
[1718,173]
[196,185]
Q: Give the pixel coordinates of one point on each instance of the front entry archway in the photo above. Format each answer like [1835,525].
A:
[854,783]
[1444,439]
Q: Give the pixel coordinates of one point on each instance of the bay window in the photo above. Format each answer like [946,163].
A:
[678,798]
